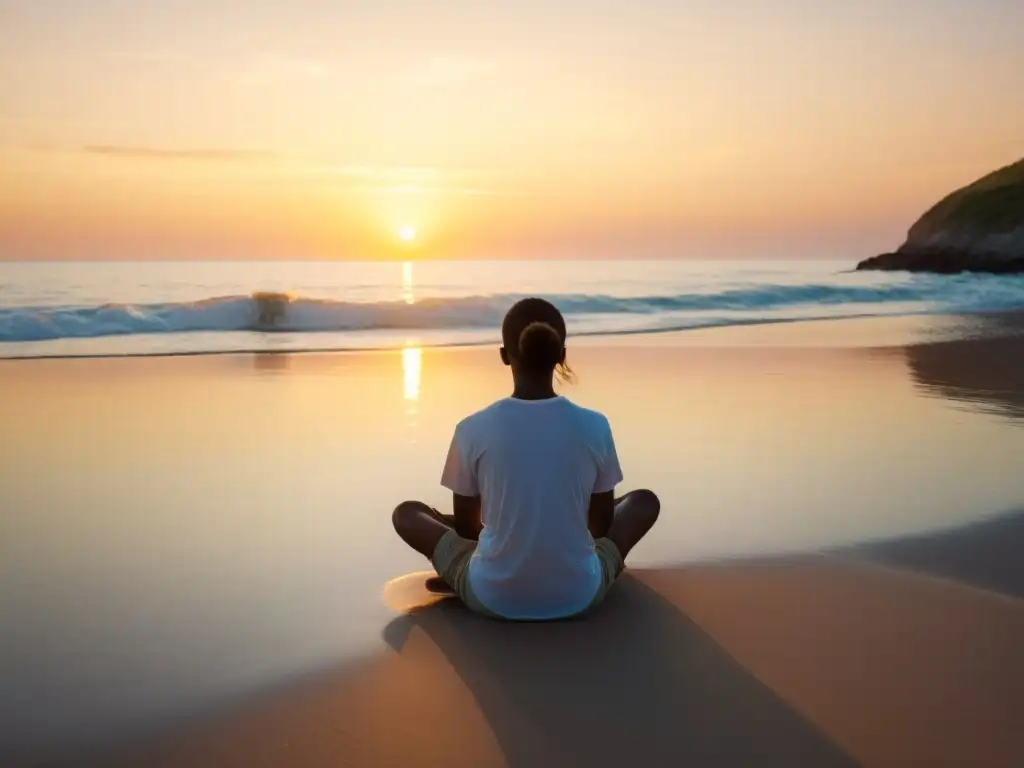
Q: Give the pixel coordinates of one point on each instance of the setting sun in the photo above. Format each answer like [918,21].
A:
[407,233]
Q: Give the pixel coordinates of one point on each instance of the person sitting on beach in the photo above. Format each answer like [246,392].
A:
[536,533]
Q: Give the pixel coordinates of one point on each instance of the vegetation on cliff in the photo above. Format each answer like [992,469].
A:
[977,228]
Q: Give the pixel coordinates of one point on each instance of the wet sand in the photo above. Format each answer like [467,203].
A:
[823,663]
[194,566]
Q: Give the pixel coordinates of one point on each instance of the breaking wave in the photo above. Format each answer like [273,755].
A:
[267,312]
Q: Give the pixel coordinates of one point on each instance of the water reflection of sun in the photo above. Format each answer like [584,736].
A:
[407,282]
[412,356]
[412,364]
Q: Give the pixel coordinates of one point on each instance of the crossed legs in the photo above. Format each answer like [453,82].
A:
[421,526]
[635,514]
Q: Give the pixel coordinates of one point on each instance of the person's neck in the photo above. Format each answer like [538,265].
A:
[531,388]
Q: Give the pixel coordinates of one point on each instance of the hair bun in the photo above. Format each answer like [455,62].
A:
[540,347]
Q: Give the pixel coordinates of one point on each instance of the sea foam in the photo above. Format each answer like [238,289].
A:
[270,312]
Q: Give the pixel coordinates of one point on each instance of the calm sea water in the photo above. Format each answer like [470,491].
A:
[70,309]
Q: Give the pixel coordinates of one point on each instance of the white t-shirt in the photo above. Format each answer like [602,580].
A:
[535,464]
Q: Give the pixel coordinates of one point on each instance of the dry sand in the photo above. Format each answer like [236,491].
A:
[817,663]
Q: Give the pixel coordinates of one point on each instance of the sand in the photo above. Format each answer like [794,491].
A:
[196,574]
[826,663]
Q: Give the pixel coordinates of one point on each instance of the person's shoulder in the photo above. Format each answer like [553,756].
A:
[477,419]
[589,416]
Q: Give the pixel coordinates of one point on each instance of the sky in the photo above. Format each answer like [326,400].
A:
[529,129]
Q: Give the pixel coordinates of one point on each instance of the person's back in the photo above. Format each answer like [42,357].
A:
[535,464]
[536,532]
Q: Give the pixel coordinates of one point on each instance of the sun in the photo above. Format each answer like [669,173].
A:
[407,233]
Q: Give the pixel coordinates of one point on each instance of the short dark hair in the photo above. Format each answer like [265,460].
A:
[533,334]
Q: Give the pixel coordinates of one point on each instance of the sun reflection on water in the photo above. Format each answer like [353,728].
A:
[407,283]
[412,362]
[412,366]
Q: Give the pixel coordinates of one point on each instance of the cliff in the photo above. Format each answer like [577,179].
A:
[979,228]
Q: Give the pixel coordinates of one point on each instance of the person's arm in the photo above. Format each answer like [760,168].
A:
[602,498]
[459,476]
[601,513]
[468,522]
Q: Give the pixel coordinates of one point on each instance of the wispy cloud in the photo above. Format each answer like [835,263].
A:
[442,71]
[154,153]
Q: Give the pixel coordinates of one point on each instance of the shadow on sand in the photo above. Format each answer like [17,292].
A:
[635,683]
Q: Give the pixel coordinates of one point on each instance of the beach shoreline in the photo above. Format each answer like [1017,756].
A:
[212,535]
[864,330]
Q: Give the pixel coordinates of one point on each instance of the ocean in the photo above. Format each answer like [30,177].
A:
[75,309]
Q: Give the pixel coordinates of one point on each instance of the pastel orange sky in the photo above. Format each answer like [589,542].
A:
[317,129]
